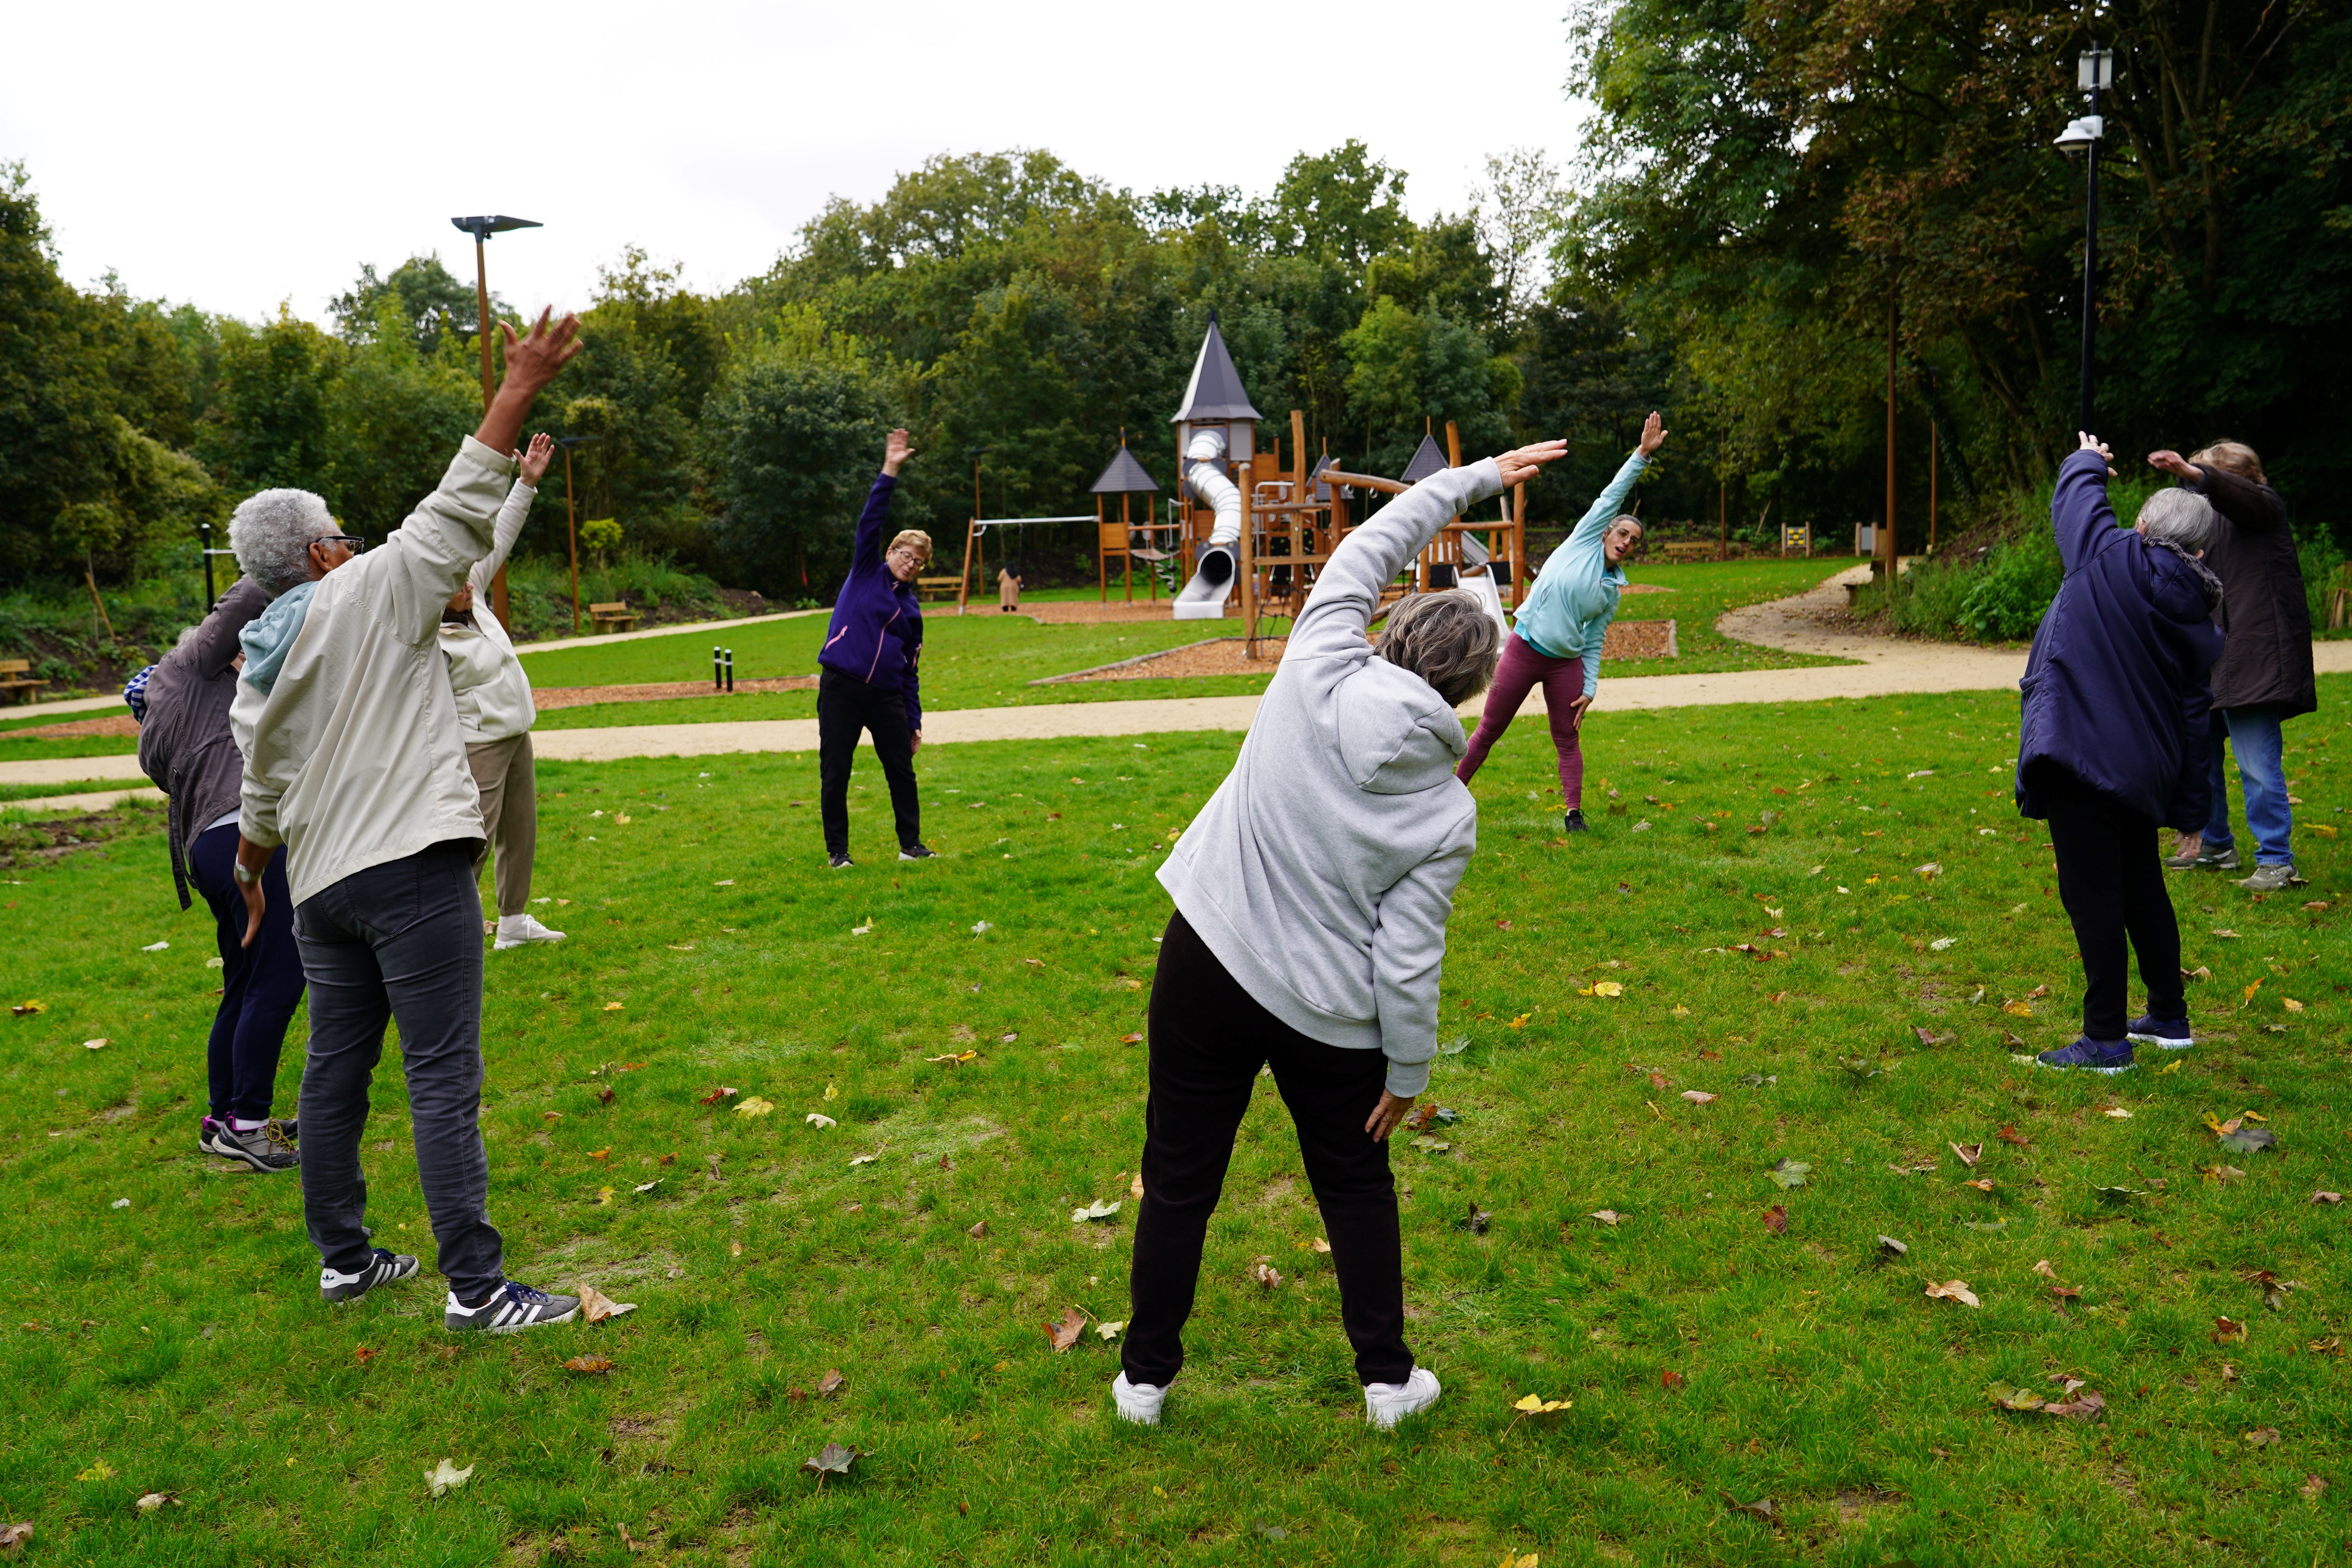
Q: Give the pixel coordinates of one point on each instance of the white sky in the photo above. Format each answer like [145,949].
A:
[242,152]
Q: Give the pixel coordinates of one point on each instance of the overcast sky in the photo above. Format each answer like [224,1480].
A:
[240,153]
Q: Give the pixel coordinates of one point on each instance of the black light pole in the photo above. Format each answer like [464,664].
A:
[2094,70]
[481,228]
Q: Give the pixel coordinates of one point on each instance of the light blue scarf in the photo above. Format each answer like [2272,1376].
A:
[270,637]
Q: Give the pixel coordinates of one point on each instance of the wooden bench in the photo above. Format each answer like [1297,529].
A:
[945,587]
[16,676]
[616,616]
[1690,550]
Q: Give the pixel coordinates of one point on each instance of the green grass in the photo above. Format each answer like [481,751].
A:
[1703,591]
[176,1344]
[9,792]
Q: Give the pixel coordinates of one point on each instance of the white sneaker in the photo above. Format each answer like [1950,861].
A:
[1386,1404]
[516,930]
[1138,1402]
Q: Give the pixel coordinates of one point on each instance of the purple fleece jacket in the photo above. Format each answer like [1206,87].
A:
[876,632]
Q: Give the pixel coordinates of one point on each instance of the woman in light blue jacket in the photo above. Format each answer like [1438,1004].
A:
[1555,636]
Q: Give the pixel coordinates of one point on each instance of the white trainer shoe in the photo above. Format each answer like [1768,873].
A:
[1386,1404]
[1138,1402]
[514,931]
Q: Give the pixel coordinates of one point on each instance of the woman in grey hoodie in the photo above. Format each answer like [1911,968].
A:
[1312,893]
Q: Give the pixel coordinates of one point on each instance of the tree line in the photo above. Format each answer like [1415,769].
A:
[1768,186]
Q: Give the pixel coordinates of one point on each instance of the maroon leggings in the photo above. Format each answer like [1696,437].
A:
[1521,669]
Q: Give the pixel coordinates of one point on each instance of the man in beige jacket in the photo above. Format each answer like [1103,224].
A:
[354,761]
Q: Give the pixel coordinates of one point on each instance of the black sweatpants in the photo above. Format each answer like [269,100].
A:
[2112,883]
[260,985]
[1209,1038]
[847,706]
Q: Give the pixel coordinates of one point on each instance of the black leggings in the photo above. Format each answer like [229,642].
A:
[1209,1038]
[845,706]
[2112,884]
[260,985]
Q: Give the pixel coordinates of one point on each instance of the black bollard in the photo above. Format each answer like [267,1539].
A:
[731,669]
[718,682]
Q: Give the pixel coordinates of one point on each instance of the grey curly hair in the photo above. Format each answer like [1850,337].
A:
[271,533]
[1448,638]
[2179,517]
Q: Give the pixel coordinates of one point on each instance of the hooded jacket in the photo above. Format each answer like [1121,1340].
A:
[1568,611]
[352,756]
[2114,688]
[877,631]
[1321,872]
[2265,612]
[185,742]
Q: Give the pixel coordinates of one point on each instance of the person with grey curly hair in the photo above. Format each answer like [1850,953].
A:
[277,534]
[1312,893]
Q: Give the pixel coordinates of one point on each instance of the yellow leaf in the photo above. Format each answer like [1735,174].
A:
[1533,1401]
[2171,1066]
[1680,1011]
[2017,1009]
[752,1105]
[100,1470]
[831,1093]
[1608,988]
[2249,992]
[611,1007]
[2291,1005]
[1521,1021]
[604,1194]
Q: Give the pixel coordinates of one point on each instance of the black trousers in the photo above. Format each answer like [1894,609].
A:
[260,985]
[1209,1038]
[846,707]
[2112,883]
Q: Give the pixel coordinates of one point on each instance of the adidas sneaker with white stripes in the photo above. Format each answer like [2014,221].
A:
[383,1270]
[511,1309]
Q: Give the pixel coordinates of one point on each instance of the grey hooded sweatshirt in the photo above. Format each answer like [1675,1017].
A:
[1321,872]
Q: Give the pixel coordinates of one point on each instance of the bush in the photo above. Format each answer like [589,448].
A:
[2002,597]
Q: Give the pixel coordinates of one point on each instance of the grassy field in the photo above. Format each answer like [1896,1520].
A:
[163,1333]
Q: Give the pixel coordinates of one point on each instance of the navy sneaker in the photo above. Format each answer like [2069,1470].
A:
[511,1309]
[2108,1057]
[841,861]
[2171,1034]
[918,852]
[1573,823]
[384,1268]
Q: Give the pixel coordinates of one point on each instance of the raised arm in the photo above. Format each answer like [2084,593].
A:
[2250,508]
[533,460]
[1612,499]
[865,551]
[2080,515]
[1348,589]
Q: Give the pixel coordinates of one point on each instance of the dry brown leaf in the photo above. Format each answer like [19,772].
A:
[2326,1197]
[2313,1486]
[1062,1332]
[1265,1275]
[1130,1039]
[1699,1096]
[1776,1219]
[1607,1216]
[830,1383]
[979,1229]
[595,1306]
[1316,1244]
[1672,1381]
[1969,1153]
[2228,1332]
[365,1353]
[2045,1270]
[2012,1135]
[723,1092]
[605,1096]
[2263,1436]
[1761,1507]
[13,1536]
[1982,1184]
[596,1364]
[1953,1290]
[2084,1406]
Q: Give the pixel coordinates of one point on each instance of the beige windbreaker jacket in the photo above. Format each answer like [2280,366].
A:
[354,757]
[492,690]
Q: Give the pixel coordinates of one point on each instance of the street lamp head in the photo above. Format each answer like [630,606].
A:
[481,228]
[2094,70]
[2080,135]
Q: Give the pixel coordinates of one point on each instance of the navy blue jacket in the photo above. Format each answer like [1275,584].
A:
[2114,690]
[876,632]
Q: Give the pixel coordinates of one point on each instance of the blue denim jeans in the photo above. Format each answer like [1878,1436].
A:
[2253,734]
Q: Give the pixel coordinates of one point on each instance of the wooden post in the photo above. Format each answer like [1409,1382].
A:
[1248,564]
[1893,556]
[489,390]
[971,537]
[1102,562]
[571,538]
[1723,517]
[1931,487]
[1518,543]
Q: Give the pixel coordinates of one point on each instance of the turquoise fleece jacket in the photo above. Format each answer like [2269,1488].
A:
[1575,598]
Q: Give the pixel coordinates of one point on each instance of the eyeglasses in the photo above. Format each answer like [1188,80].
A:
[354,542]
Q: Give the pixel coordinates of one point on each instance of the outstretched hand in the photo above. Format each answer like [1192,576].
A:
[2093,443]
[1520,466]
[532,361]
[1654,434]
[2173,463]
[896,450]
[535,457]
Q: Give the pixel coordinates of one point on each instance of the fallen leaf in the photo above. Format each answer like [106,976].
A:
[979,1228]
[1953,1290]
[1096,1210]
[2012,1135]
[1317,1244]
[1264,1275]
[1969,1153]
[1981,1184]
[1477,1221]
[99,1044]
[1790,1173]
[1430,1143]
[954,1058]
[1699,1096]
[100,1470]
[1776,1220]
[831,1092]
[2115,1194]
[2083,1406]
[2008,1398]
[647,1186]
[716,1095]
[1135,1188]
[611,1007]
[446,1476]
[856,1160]
[1130,1039]
[2227,1332]
[589,1363]
[15,1536]
[1607,1216]
[604,1096]
[2247,1140]
[1672,1381]
[2219,931]
[1761,1507]
[149,1501]
[27,1009]
[595,1306]
[2222,1175]
[2332,1345]
[365,1353]
[1111,1330]
[1890,1248]
[1608,988]
[2017,1009]
[818,1119]
[2118,1112]
[2264,1438]
[1064,1332]
[2045,1270]
[155,947]
[2326,1197]
[604,1154]
[833,1459]
[754,1105]
[830,1383]
[2311,1488]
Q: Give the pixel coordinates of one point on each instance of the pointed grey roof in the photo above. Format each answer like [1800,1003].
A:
[1427,459]
[1123,475]
[1323,491]
[1215,390]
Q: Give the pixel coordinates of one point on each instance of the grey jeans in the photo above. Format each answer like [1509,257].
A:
[402,942]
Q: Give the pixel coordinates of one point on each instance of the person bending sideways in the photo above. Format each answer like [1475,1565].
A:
[186,745]
[867,679]
[2265,676]
[495,713]
[1556,634]
[354,762]
[2111,742]
[1312,893]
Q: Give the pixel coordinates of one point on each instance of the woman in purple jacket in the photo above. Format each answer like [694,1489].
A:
[868,680]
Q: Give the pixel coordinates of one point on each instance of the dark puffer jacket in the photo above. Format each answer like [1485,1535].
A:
[2264,609]
[877,631]
[184,743]
[2115,689]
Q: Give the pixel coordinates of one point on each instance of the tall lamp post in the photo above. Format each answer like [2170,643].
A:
[481,228]
[2095,69]
[571,518]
